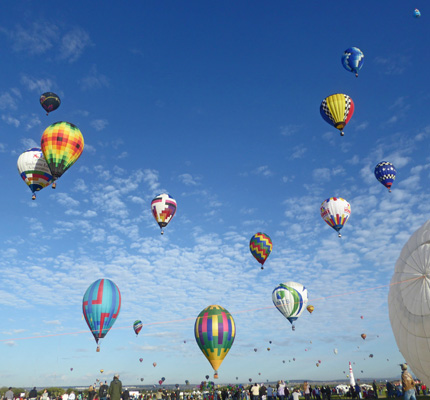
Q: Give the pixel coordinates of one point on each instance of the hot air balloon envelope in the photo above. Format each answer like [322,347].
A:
[101,305]
[337,110]
[163,209]
[214,331]
[385,172]
[353,59]
[137,326]
[49,101]
[335,211]
[260,246]
[290,298]
[310,309]
[62,144]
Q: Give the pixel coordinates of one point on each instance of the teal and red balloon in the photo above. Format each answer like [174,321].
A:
[101,306]
[261,246]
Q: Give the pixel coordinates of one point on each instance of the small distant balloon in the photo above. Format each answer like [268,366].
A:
[385,172]
[71,369]
[137,326]
[310,309]
[417,13]
[141,379]
[335,351]
[250,379]
[140,359]
[261,246]
[283,361]
[207,376]
[49,101]
[154,364]
[353,59]
[101,371]
[255,350]
[363,336]
[294,359]
[317,364]
[371,355]
[268,349]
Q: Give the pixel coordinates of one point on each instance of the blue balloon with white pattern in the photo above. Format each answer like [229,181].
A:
[385,172]
[353,59]
[417,13]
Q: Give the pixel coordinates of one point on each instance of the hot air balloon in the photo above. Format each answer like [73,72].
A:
[185,341]
[140,359]
[34,170]
[290,298]
[270,342]
[154,364]
[335,351]
[385,173]
[160,382]
[259,373]
[163,378]
[237,377]
[62,144]
[335,211]
[352,60]
[101,371]
[362,317]
[137,326]
[294,359]
[337,110]
[268,349]
[255,350]
[408,305]
[310,309]
[187,382]
[363,336]
[163,209]
[215,331]
[250,379]
[101,305]
[417,13]
[260,246]
[371,355]
[317,364]
[283,361]
[319,361]
[49,101]
[207,376]
[71,369]
[141,379]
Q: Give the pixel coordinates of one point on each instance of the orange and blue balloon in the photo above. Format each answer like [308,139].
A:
[261,246]
[101,306]
[385,172]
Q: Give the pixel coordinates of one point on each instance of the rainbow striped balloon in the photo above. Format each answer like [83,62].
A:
[101,305]
[215,331]
[260,246]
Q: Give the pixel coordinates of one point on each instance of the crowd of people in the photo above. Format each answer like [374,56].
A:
[408,388]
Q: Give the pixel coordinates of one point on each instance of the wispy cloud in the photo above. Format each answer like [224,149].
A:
[94,80]
[263,170]
[10,120]
[9,100]
[99,124]
[73,44]
[290,129]
[188,179]
[37,85]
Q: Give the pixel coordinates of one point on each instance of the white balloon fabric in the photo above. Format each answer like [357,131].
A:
[290,298]
[409,303]
[335,211]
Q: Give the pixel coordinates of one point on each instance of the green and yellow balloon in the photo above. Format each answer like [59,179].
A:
[215,331]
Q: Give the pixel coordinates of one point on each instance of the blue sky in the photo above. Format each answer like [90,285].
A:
[216,103]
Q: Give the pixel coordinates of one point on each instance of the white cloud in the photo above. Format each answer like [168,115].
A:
[8,101]
[99,124]
[264,170]
[188,179]
[290,129]
[94,80]
[298,152]
[37,85]
[10,120]
[29,143]
[73,44]
[151,178]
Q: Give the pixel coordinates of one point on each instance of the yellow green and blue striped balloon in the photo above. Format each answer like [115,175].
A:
[261,246]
